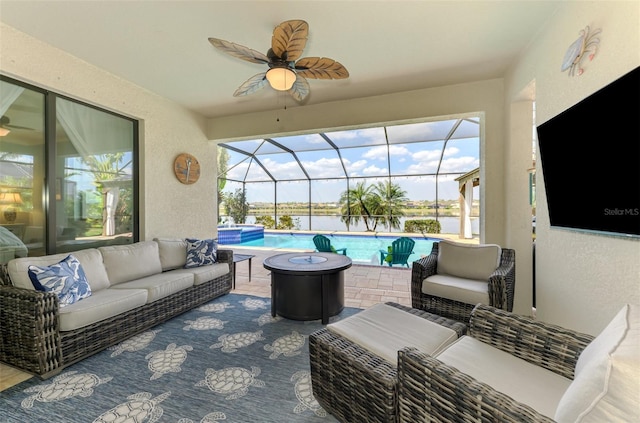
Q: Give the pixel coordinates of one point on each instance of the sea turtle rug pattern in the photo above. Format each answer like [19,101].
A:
[228,360]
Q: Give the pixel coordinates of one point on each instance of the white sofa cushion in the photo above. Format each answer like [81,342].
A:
[173,252]
[204,274]
[468,291]
[90,259]
[159,285]
[606,387]
[476,262]
[125,263]
[527,383]
[384,330]
[100,306]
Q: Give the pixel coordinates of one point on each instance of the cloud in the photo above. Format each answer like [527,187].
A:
[380,152]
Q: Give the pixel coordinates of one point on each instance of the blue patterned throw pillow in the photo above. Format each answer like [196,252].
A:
[200,252]
[66,278]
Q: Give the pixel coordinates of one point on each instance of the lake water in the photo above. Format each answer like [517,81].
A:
[449,225]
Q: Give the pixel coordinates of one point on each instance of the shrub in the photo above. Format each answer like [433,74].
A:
[286,222]
[423,226]
[266,221]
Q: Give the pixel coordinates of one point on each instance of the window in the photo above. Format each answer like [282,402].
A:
[68,184]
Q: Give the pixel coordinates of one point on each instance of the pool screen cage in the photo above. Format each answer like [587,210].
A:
[365,179]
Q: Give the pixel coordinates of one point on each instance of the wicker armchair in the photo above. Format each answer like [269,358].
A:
[500,286]
[430,390]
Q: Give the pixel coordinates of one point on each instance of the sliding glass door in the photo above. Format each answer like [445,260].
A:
[68,174]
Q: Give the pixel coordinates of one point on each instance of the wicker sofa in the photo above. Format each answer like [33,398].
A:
[133,287]
[455,277]
[512,368]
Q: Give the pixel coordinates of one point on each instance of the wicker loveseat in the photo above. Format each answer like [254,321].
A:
[512,368]
[455,277]
[133,287]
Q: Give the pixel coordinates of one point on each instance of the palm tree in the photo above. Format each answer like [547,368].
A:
[387,200]
[355,205]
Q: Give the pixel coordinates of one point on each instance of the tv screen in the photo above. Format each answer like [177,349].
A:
[590,157]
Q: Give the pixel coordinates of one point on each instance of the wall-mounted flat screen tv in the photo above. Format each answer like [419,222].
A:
[590,157]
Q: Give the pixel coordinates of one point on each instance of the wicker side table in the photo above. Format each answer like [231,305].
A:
[352,383]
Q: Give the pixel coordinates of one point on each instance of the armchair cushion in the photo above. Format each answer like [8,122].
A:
[607,375]
[525,382]
[476,262]
[459,289]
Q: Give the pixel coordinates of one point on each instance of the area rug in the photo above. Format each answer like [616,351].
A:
[227,360]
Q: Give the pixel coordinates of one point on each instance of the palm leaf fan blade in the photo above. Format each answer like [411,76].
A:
[289,39]
[251,85]
[300,89]
[239,51]
[321,68]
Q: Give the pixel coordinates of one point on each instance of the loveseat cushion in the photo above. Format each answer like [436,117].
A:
[527,383]
[475,262]
[99,306]
[384,330]
[173,252]
[90,259]
[606,387]
[204,274]
[125,263]
[159,285]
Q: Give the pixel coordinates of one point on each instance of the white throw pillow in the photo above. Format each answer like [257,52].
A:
[468,261]
[606,387]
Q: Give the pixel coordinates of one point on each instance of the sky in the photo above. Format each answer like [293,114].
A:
[413,154]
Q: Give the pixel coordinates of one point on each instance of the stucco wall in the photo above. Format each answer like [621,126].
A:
[581,280]
[168,208]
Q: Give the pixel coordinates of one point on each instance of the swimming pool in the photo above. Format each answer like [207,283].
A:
[362,249]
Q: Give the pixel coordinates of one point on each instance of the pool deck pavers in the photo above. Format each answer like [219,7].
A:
[364,285]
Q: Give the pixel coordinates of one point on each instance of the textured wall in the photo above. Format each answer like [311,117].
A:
[582,280]
[168,208]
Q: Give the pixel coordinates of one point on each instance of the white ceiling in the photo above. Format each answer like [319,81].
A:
[387,46]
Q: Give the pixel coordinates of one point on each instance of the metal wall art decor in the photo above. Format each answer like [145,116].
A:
[585,45]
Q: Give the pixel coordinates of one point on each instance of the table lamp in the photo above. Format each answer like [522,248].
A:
[11,200]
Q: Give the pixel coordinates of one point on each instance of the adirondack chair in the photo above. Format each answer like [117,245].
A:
[323,245]
[399,252]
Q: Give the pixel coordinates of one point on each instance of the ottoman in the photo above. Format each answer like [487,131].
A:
[353,361]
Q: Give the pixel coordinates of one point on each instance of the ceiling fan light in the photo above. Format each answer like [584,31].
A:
[281,79]
[4,131]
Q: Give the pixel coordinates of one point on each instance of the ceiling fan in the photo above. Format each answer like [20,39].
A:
[287,71]
[5,126]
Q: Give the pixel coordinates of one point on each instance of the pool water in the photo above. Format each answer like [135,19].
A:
[361,249]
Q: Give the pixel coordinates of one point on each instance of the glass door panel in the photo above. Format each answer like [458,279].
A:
[22,217]
[94,177]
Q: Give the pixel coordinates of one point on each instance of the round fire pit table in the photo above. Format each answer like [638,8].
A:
[307,286]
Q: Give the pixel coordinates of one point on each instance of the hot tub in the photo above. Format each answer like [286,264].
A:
[239,233]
